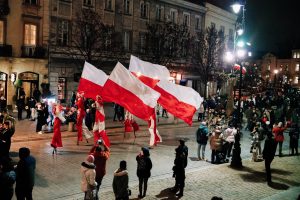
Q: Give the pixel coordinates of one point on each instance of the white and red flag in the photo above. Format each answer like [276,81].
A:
[125,89]
[237,67]
[180,101]
[92,81]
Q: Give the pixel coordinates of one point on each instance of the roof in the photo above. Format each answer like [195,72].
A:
[224,4]
[197,2]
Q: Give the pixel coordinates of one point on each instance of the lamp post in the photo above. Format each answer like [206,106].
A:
[275,77]
[239,53]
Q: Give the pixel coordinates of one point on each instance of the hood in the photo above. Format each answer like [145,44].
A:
[202,126]
[88,165]
[120,173]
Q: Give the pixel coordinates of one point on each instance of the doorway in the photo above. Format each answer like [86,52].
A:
[30,80]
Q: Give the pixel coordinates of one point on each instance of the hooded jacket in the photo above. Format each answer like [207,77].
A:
[120,183]
[88,175]
[202,134]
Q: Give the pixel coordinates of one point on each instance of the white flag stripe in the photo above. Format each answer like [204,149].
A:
[148,69]
[185,94]
[93,74]
[134,85]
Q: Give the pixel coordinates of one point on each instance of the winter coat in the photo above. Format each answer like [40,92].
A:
[216,141]
[100,162]
[88,175]
[278,134]
[144,166]
[202,134]
[25,173]
[120,183]
[269,149]
[229,134]
[7,180]
[294,133]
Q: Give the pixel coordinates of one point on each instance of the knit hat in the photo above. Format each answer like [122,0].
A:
[90,159]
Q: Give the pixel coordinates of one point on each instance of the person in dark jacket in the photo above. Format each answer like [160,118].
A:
[179,171]
[36,94]
[5,139]
[40,119]
[25,174]
[294,137]
[120,182]
[268,155]
[144,166]
[7,179]
[202,137]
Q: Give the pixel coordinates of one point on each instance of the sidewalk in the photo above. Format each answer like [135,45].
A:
[221,180]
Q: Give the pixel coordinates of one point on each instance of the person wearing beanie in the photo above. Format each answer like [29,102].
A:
[88,175]
[120,182]
[144,166]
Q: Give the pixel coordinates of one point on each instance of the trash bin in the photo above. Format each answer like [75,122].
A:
[71,126]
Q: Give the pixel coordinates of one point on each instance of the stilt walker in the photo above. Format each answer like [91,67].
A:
[80,115]
[127,124]
[58,119]
[154,134]
[99,126]
[135,127]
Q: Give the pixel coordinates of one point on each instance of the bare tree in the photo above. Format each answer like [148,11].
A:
[207,53]
[167,42]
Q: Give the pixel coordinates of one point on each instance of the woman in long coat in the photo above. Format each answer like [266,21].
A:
[144,166]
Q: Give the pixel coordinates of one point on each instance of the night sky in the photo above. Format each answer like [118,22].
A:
[273,25]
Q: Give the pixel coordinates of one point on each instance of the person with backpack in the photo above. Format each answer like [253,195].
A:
[202,137]
[144,166]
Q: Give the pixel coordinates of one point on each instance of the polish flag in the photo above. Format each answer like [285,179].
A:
[125,89]
[154,134]
[92,81]
[238,67]
[179,100]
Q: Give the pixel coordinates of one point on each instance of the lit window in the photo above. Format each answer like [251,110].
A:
[296,81]
[198,23]
[63,33]
[144,10]
[61,88]
[298,55]
[294,55]
[30,35]
[297,67]
[127,6]
[269,67]
[1,32]
[126,40]
[186,19]
[267,76]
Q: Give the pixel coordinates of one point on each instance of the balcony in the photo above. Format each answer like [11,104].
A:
[33,52]
[4,8]
[5,50]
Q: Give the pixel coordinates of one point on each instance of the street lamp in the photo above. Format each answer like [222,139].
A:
[275,76]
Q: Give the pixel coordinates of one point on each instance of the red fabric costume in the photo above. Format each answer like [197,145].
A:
[80,116]
[56,139]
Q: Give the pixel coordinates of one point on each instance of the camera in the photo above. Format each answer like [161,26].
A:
[99,142]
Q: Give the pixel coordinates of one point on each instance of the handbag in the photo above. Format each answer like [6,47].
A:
[91,193]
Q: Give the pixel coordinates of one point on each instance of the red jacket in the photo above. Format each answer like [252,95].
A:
[278,134]
[100,161]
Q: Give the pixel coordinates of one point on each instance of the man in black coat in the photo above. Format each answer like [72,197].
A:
[5,139]
[268,155]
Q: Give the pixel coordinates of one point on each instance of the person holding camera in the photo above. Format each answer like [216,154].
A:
[144,166]
[120,182]
[101,154]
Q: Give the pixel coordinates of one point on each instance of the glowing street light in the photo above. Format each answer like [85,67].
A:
[236,8]
[240,31]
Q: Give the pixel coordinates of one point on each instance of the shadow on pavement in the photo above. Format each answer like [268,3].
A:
[280,171]
[66,152]
[40,181]
[278,186]
[166,194]
[194,159]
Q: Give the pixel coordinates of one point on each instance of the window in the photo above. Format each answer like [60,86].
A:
[1,32]
[108,4]
[267,76]
[269,67]
[127,6]
[186,19]
[198,23]
[86,36]
[63,33]
[31,2]
[61,88]
[298,55]
[222,28]
[158,13]
[173,15]
[126,41]
[295,55]
[88,3]
[30,34]
[144,10]
[142,42]
[213,25]
[296,81]
[297,67]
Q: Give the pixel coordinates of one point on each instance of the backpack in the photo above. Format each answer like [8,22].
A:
[142,164]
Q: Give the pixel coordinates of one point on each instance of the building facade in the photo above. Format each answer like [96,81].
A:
[24,34]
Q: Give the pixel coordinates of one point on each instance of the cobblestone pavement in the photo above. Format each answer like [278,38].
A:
[58,177]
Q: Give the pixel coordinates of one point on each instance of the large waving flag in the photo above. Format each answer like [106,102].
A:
[180,101]
[92,81]
[125,89]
